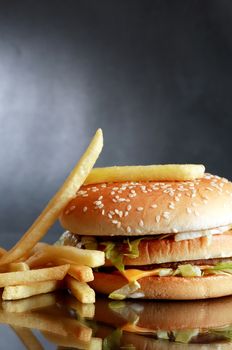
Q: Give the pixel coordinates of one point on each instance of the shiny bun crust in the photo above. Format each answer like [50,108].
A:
[172,288]
[149,208]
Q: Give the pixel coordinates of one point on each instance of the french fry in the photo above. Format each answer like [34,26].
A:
[2,251]
[33,303]
[20,266]
[30,276]
[53,209]
[80,290]
[49,253]
[25,291]
[166,172]
[27,338]
[81,273]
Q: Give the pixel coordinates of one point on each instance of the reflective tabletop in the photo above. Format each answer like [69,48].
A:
[59,321]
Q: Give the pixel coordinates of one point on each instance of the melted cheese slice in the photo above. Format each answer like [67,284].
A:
[133,274]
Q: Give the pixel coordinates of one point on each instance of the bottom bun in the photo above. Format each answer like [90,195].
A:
[172,288]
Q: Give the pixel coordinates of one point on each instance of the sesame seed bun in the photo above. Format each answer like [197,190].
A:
[149,208]
[171,288]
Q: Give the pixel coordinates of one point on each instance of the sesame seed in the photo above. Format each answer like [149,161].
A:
[66,212]
[121,200]
[154,206]
[189,210]
[171,205]
[174,230]
[115,188]
[139,209]
[166,215]
[126,213]
[131,195]
[100,198]
[85,209]
[114,222]
[101,206]
[141,223]
[103,212]
[98,203]
[112,192]
[177,199]
[118,224]
[129,207]
[72,207]
[103,185]
[157,219]
[128,229]
[110,216]
[85,195]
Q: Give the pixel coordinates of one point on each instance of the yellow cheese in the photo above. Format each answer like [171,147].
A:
[133,274]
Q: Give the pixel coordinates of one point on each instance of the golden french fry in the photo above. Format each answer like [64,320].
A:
[31,276]
[29,304]
[19,266]
[91,258]
[52,211]
[25,291]
[81,273]
[80,290]
[2,251]
[36,320]
[27,338]
[165,172]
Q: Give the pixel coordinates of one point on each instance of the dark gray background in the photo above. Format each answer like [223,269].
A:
[155,75]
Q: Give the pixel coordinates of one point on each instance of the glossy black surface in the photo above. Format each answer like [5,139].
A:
[58,321]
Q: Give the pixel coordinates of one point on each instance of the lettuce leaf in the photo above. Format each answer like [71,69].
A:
[114,255]
[125,291]
[185,336]
[188,270]
[133,248]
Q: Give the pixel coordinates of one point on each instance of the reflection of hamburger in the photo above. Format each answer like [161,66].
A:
[165,240]
[155,325]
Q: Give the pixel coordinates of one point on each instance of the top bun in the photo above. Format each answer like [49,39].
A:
[149,208]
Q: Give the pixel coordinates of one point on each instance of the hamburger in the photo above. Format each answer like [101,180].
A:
[153,325]
[162,239]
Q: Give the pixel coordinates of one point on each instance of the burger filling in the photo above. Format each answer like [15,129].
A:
[118,250]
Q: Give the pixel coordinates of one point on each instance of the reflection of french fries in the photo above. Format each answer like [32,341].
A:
[52,211]
[77,329]
[80,290]
[69,341]
[25,291]
[30,276]
[35,320]
[82,310]
[29,304]
[28,338]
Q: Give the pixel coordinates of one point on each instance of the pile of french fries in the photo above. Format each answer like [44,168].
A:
[61,319]
[32,268]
